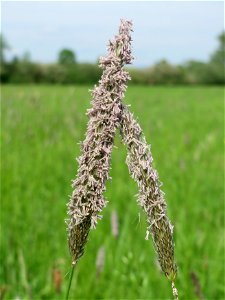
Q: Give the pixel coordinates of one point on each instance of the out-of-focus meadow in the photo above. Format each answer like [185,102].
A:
[41,129]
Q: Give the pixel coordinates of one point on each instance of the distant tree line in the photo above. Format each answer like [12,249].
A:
[68,71]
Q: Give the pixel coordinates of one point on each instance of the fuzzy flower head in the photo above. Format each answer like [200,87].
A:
[87,201]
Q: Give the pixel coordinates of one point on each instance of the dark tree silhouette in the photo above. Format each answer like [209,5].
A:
[66,57]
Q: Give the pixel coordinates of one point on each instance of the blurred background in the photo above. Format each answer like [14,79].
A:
[174,43]
[49,55]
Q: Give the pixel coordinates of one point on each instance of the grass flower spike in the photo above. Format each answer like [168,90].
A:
[151,198]
[106,115]
[87,200]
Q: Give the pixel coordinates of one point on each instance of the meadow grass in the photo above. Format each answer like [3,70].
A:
[41,128]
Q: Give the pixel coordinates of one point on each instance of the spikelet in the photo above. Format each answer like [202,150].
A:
[151,198]
[114,224]
[100,261]
[87,200]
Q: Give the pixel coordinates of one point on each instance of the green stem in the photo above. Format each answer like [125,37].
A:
[70,281]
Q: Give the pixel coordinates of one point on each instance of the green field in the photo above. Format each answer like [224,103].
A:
[41,128]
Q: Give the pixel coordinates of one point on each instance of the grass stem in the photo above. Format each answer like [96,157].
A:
[70,281]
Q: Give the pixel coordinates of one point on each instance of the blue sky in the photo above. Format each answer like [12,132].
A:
[176,31]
